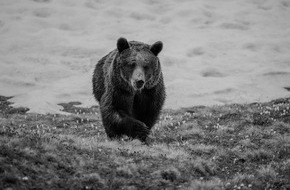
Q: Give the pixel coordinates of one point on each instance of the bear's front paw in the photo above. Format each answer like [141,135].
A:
[137,129]
[141,131]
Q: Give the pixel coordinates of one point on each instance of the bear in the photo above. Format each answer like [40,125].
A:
[128,84]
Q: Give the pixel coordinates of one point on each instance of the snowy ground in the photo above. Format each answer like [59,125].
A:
[215,51]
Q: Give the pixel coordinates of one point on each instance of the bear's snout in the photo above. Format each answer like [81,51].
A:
[138,78]
[139,84]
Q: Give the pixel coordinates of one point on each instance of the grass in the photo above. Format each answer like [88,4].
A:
[220,147]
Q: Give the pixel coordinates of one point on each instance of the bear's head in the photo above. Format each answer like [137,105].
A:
[138,64]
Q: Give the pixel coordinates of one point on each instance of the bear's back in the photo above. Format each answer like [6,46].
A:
[100,71]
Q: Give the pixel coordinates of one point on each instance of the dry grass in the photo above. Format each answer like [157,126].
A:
[220,147]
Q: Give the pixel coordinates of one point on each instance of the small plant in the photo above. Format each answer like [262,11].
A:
[202,148]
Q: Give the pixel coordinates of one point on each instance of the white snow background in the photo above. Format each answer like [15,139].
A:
[215,51]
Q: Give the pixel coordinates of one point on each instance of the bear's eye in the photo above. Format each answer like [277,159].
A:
[132,65]
[146,68]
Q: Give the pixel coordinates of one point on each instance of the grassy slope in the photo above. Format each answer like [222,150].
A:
[220,147]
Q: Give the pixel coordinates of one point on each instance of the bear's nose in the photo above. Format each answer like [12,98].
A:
[139,84]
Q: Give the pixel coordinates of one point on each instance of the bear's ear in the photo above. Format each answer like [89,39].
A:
[156,48]
[122,44]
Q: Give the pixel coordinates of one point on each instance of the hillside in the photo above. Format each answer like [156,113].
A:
[237,146]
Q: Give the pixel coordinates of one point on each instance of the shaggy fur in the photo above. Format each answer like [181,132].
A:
[128,84]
